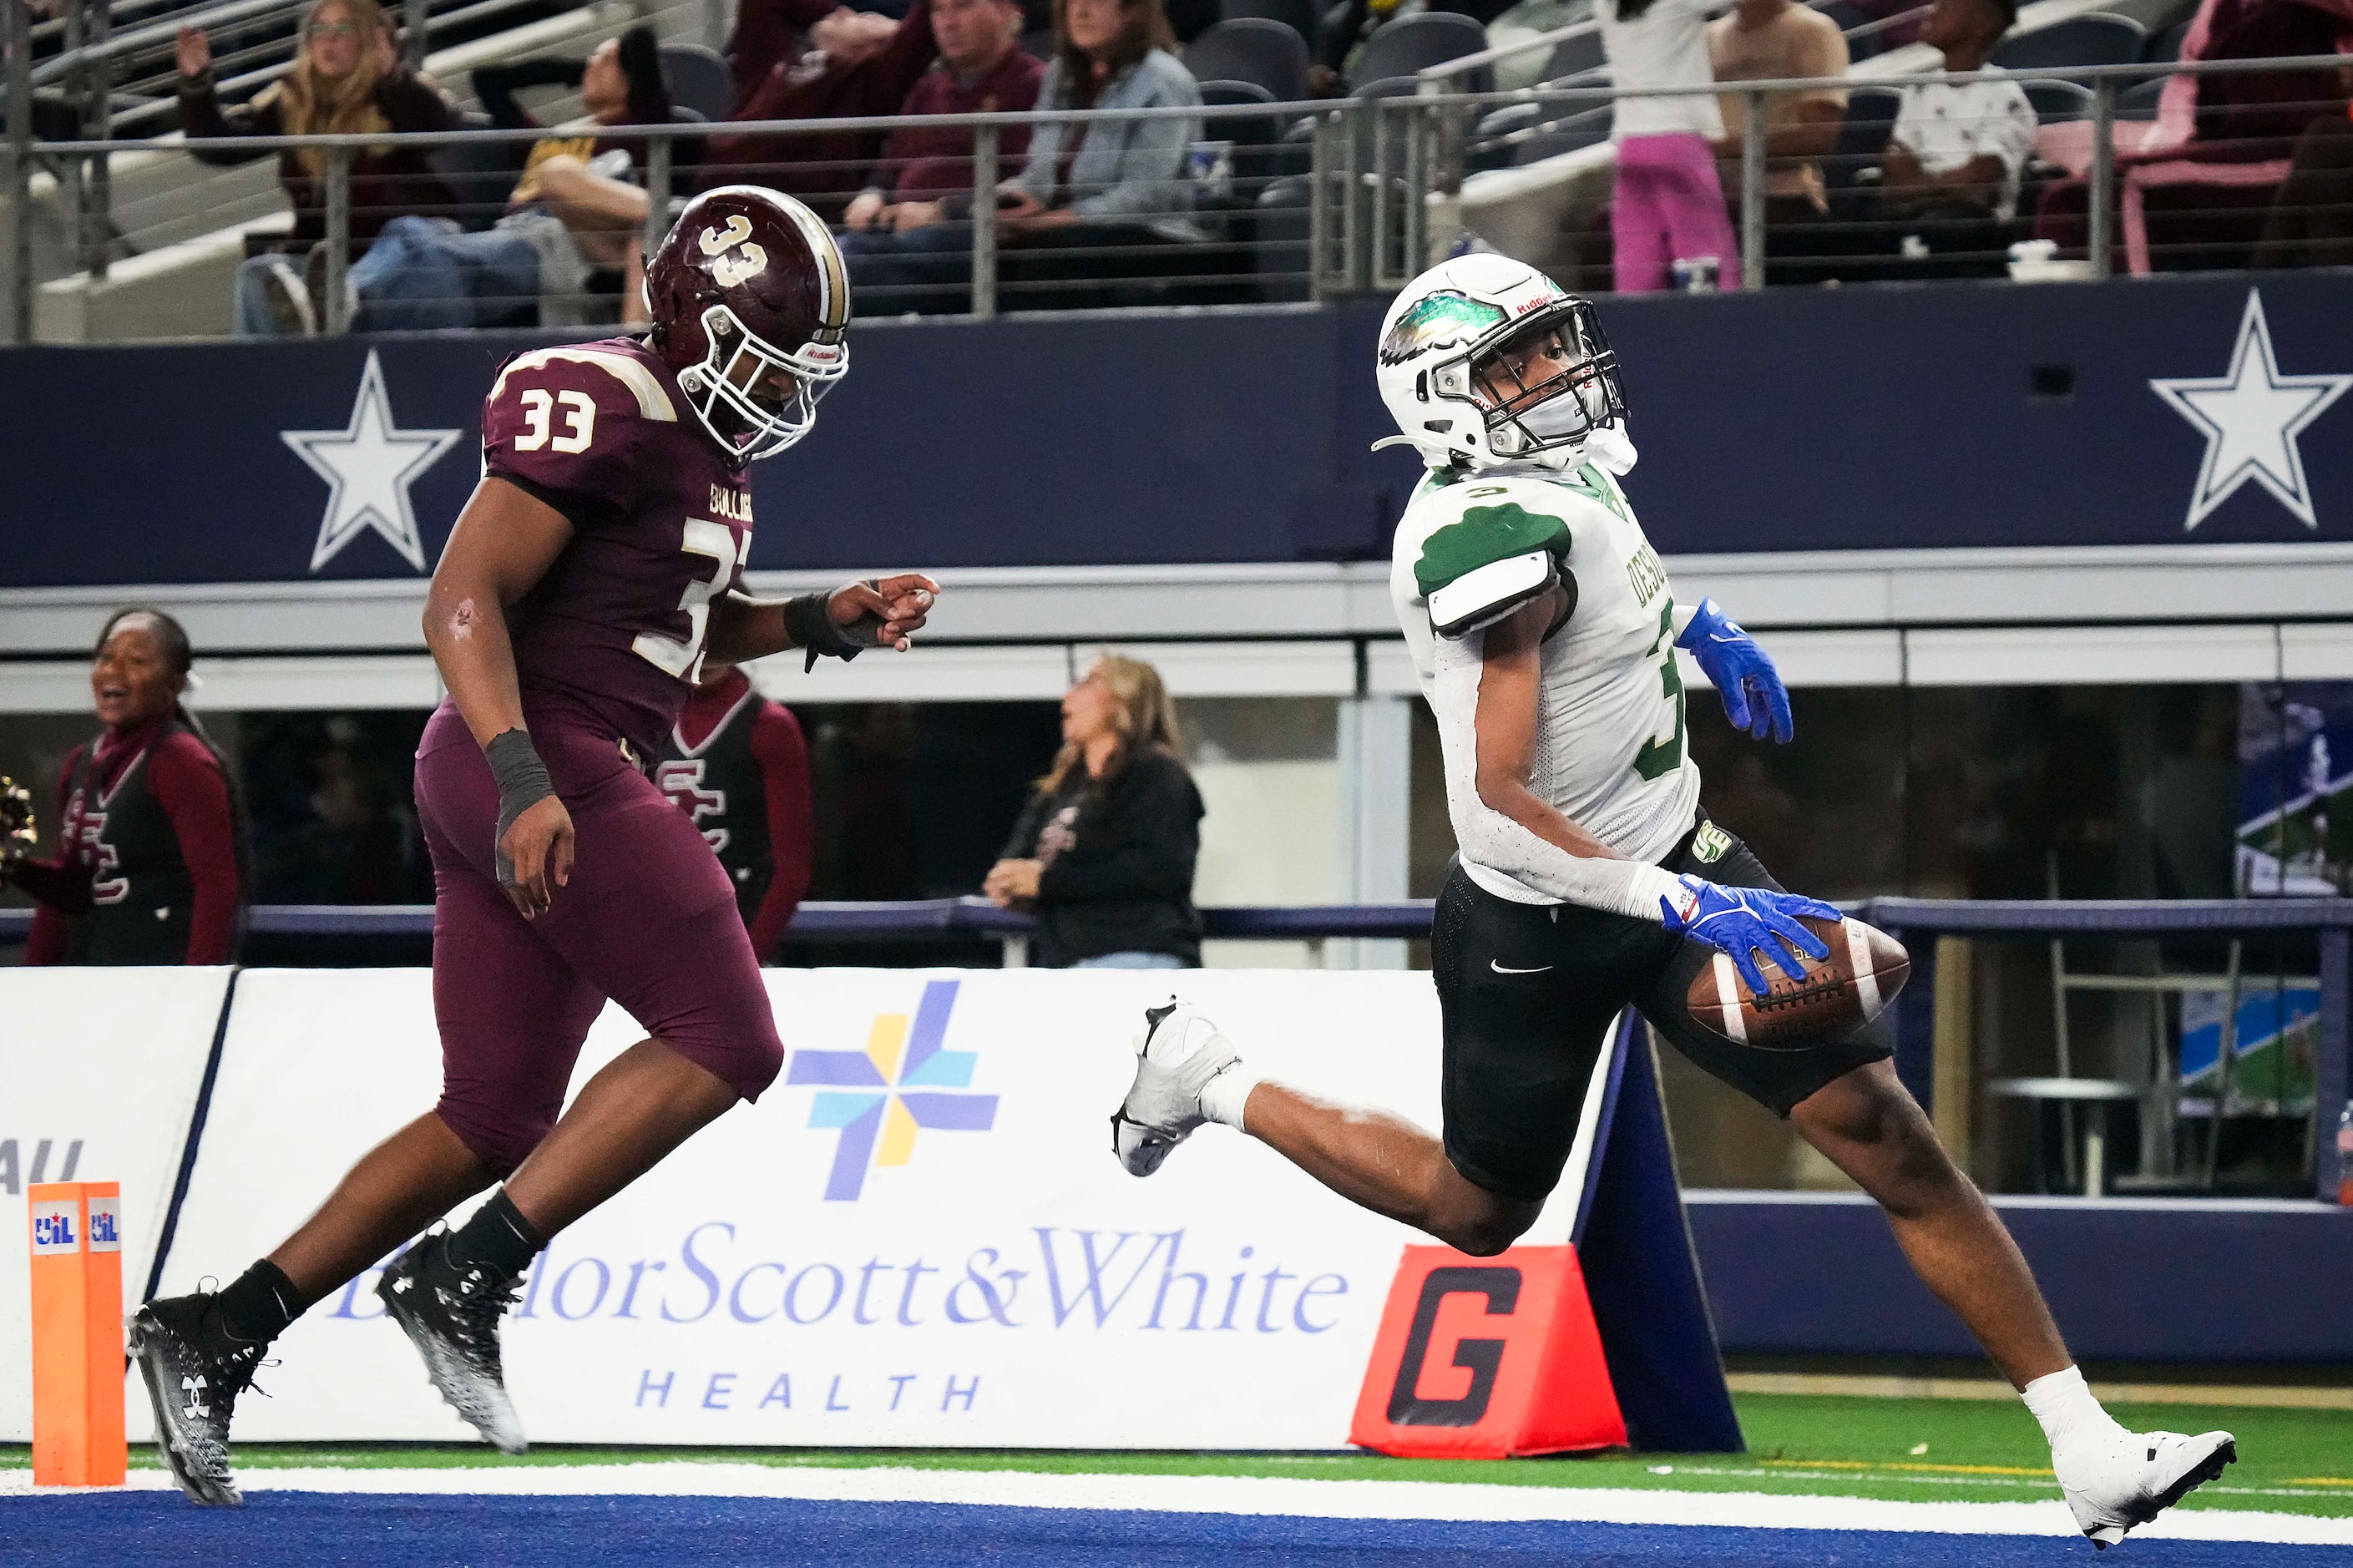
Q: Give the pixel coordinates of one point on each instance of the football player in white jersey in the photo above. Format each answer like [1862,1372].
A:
[1544,630]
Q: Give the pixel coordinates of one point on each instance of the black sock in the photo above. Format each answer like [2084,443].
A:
[497,1239]
[258,1305]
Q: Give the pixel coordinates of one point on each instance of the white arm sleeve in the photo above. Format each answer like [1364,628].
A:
[1488,838]
[1628,888]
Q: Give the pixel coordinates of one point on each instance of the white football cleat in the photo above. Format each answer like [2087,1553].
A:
[2129,1478]
[1177,1052]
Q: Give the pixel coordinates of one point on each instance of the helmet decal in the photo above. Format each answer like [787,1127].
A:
[750,260]
[1441,321]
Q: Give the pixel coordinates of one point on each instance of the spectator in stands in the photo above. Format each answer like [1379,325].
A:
[2200,187]
[862,65]
[1091,202]
[1668,205]
[579,206]
[1776,40]
[804,38]
[1951,173]
[1104,852]
[2311,219]
[737,765]
[150,863]
[925,173]
[345,79]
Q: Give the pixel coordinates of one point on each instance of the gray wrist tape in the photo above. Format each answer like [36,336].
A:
[522,783]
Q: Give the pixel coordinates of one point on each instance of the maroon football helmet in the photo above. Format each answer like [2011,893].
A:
[751,305]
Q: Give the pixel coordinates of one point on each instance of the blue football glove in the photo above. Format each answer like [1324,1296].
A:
[1739,921]
[1754,696]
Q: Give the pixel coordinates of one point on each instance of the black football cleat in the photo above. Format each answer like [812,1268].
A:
[451,1314]
[193,1380]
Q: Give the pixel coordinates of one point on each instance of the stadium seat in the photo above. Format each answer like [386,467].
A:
[1413,43]
[482,174]
[2056,100]
[1226,94]
[1524,133]
[2139,102]
[1299,15]
[699,80]
[1862,139]
[1251,50]
[2092,40]
[1576,57]
[1283,230]
[2165,48]
[1572,133]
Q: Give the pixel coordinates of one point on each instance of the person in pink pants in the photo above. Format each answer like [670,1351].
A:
[1669,205]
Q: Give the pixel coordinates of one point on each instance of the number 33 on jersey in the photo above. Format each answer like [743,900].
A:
[661,521]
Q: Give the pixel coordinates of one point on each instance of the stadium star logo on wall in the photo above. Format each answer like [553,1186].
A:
[369,466]
[2251,418]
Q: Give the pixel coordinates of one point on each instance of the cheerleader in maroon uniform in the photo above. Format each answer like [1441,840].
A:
[148,865]
[736,764]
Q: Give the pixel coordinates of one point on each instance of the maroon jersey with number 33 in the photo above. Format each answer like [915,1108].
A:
[661,521]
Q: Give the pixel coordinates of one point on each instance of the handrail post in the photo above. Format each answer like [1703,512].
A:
[2100,219]
[1319,198]
[339,240]
[984,228]
[1752,189]
[1421,129]
[413,21]
[1376,193]
[658,184]
[96,218]
[17,19]
[1354,219]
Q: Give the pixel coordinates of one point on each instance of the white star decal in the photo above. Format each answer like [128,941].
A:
[369,464]
[2251,418]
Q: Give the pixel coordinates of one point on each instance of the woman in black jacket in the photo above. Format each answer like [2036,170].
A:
[1105,851]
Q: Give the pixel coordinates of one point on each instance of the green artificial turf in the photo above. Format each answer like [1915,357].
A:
[2291,1461]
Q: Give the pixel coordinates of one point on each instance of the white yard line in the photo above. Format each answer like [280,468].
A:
[1252,1495]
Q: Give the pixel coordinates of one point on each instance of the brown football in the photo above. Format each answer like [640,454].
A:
[1827,1006]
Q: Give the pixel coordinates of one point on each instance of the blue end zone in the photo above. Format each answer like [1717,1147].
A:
[307,1529]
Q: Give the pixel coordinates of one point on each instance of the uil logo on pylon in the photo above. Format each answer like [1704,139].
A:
[904,1081]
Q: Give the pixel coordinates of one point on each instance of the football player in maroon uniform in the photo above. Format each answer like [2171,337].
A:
[595,565]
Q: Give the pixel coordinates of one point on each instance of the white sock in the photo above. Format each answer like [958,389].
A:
[1224,1096]
[2062,1402]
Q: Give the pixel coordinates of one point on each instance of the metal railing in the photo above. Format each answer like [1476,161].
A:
[1427,144]
[1294,201]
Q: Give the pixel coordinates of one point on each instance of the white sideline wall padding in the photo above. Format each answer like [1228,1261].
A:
[112,1060]
[996,1280]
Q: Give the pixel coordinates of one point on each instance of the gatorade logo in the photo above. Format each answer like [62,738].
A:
[1481,1358]
[53,1228]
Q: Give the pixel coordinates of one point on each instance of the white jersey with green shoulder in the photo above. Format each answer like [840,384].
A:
[1611,754]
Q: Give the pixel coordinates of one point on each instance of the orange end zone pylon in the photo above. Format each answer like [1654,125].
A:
[77,1334]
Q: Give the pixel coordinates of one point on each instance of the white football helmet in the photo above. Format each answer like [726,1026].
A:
[1455,350]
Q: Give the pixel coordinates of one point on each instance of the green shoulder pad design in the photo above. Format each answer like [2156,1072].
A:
[1483,536]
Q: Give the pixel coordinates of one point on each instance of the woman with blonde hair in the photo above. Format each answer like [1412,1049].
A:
[346,79]
[1105,851]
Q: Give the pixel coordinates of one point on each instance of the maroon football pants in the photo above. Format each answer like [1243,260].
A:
[647,919]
